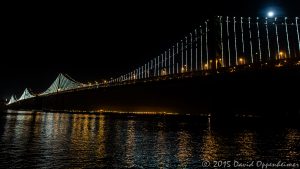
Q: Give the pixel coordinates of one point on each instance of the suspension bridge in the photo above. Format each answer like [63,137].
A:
[219,45]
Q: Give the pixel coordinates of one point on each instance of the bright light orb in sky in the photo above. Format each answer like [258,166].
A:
[270,14]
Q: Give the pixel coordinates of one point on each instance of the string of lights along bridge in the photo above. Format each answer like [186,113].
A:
[219,43]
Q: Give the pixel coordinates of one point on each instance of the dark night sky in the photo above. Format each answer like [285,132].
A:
[95,41]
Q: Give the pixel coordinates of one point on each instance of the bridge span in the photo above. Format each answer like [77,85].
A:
[227,64]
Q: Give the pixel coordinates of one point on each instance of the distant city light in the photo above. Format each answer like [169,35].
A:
[270,14]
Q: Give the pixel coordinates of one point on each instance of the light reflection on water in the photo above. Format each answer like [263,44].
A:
[54,140]
[246,146]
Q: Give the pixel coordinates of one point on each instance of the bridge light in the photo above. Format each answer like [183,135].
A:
[241,61]
[281,55]
[164,72]
[184,69]
[206,66]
